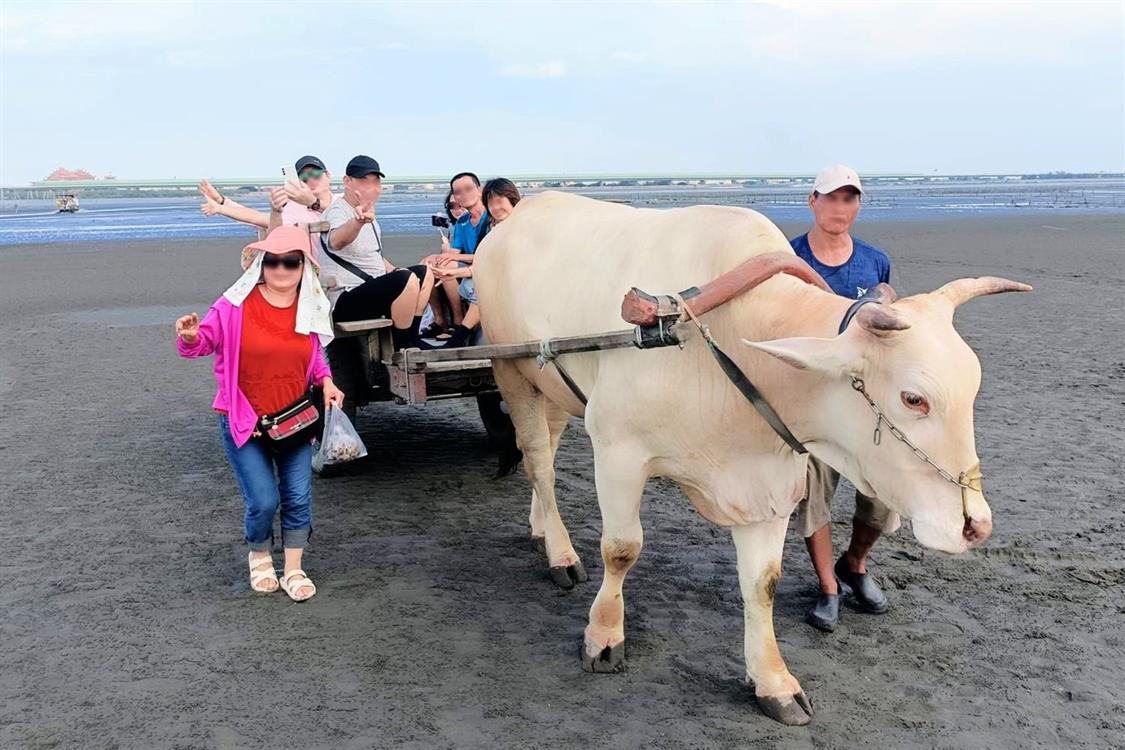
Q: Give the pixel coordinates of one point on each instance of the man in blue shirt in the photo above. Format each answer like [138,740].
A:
[469,230]
[852,268]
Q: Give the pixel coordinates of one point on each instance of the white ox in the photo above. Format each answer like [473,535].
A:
[561,265]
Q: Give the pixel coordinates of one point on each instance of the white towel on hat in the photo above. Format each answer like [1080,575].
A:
[313,310]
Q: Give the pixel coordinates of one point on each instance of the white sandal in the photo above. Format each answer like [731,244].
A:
[259,574]
[291,587]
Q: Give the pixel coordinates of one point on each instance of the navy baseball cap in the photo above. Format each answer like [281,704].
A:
[361,166]
[310,161]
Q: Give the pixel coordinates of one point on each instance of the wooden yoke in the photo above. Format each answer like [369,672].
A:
[642,309]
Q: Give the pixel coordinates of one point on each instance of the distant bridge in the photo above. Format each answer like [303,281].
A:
[429,180]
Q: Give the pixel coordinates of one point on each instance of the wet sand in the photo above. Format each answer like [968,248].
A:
[127,620]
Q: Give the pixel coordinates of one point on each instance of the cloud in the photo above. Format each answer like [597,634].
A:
[624,56]
[872,34]
[48,28]
[554,69]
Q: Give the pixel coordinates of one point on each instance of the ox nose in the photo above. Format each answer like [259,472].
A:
[976,531]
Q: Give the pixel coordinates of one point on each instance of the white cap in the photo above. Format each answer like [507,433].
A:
[834,178]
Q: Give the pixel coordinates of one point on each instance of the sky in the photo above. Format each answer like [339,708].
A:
[231,89]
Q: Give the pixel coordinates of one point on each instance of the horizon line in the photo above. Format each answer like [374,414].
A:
[173,182]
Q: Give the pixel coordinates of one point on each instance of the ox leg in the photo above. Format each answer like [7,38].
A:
[557,420]
[620,481]
[537,523]
[536,419]
[759,549]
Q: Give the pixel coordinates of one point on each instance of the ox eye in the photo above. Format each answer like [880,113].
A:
[915,402]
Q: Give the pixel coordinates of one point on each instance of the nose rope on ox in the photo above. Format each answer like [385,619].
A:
[971,479]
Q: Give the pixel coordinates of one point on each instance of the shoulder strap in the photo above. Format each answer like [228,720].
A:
[346,265]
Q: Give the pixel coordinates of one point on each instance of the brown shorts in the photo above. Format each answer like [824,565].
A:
[815,510]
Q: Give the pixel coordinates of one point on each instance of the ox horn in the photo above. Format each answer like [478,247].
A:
[880,320]
[963,290]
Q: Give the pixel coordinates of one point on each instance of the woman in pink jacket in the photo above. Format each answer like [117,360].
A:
[266,333]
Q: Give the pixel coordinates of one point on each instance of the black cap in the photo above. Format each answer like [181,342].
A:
[310,161]
[361,166]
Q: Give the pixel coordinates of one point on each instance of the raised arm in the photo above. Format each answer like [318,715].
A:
[278,199]
[217,204]
[195,338]
[345,234]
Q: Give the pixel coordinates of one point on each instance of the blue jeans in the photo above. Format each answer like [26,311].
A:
[263,491]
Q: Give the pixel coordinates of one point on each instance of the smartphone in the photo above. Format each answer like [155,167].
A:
[438,220]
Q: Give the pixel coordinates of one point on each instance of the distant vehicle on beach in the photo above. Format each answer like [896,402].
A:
[67,204]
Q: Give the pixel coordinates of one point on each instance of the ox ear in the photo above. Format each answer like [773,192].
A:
[835,356]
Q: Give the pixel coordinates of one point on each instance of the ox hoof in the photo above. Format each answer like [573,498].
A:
[793,711]
[609,660]
[565,576]
[540,544]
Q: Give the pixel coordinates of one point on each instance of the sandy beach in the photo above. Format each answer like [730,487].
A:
[127,620]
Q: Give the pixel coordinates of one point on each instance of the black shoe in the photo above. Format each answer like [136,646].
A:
[460,337]
[401,338]
[867,593]
[826,613]
[431,331]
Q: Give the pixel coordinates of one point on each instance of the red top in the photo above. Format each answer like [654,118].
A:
[273,359]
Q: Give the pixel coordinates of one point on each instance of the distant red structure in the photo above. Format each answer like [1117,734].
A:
[65,174]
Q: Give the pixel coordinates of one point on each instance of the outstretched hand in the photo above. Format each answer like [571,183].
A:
[208,191]
[299,192]
[278,198]
[210,208]
[187,328]
[365,213]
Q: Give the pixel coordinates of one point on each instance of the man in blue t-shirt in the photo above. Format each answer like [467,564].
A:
[455,270]
[852,268]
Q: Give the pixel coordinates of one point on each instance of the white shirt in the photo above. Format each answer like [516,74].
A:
[365,252]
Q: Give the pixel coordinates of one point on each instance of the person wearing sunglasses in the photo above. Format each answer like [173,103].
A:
[299,200]
[306,200]
[266,332]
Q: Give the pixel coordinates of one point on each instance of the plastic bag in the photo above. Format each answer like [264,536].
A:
[339,443]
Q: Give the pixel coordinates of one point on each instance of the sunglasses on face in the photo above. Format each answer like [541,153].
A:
[310,174]
[288,262]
